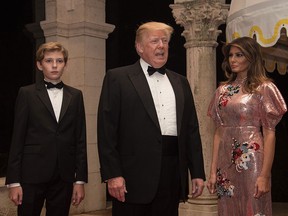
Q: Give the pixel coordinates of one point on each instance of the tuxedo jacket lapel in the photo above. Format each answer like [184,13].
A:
[65,103]
[44,97]
[141,85]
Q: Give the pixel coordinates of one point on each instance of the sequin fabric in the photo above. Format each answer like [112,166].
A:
[240,117]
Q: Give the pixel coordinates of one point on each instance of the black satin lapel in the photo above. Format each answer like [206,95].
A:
[141,85]
[179,96]
[65,103]
[44,97]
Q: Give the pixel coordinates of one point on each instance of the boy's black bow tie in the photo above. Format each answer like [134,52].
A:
[152,70]
[51,85]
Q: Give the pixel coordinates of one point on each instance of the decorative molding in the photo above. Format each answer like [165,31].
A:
[76,29]
[200,20]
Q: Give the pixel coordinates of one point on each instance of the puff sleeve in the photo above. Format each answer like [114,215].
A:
[213,109]
[272,105]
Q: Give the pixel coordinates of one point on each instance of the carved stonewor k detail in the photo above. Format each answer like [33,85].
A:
[200,19]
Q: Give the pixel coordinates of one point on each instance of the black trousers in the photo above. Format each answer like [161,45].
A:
[56,194]
[166,201]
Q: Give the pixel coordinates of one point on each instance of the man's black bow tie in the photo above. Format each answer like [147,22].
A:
[152,70]
[51,85]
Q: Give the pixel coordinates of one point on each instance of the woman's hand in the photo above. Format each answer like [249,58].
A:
[211,184]
[262,186]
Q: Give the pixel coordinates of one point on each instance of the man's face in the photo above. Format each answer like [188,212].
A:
[153,48]
[52,65]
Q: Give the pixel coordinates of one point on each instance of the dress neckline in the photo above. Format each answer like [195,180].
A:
[240,80]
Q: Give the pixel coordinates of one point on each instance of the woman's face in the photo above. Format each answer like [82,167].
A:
[238,62]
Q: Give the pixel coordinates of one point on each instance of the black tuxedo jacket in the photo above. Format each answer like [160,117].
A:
[129,135]
[40,144]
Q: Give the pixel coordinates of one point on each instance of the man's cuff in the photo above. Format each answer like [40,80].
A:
[80,182]
[13,185]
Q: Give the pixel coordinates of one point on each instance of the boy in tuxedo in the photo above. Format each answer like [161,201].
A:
[48,157]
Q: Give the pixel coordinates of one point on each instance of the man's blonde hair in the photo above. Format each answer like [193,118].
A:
[51,47]
[153,26]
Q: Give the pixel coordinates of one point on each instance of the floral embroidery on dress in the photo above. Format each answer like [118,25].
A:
[241,154]
[224,97]
[223,185]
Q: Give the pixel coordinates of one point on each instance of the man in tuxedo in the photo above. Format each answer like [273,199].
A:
[148,133]
[48,158]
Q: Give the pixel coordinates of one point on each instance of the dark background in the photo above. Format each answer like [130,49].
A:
[18,64]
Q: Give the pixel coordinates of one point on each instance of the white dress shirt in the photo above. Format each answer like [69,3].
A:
[164,100]
[56,97]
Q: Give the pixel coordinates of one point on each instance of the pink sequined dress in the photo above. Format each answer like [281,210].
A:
[240,117]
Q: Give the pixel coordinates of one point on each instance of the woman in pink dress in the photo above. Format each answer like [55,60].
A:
[246,109]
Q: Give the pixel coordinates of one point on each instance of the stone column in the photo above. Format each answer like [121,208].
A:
[201,19]
[80,26]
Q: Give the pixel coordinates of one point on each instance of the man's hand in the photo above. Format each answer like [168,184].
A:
[16,195]
[197,187]
[78,194]
[117,188]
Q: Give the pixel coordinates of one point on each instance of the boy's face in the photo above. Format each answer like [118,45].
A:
[52,65]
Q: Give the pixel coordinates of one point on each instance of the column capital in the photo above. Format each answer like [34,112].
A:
[200,19]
